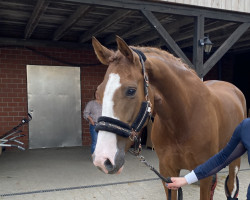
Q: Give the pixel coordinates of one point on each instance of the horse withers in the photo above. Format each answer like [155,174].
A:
[193,119]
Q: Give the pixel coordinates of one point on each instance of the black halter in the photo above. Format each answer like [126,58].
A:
[123,129]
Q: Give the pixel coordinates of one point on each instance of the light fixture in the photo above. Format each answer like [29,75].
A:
[206,42]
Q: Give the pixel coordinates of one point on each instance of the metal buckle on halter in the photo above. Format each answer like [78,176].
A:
[132,135]
[149,109]
[137,143]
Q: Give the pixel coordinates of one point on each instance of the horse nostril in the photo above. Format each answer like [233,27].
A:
[109,166]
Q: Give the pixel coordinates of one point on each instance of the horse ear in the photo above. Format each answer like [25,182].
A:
[125,49]
[102,53]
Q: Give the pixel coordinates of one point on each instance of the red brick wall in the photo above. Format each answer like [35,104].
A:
[13,81]
[91,77]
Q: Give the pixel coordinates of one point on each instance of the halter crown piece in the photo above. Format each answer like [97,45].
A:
[123,129]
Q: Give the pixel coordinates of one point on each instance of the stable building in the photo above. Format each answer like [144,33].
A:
[48,67]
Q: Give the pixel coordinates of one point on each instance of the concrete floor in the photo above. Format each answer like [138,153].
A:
[68,173]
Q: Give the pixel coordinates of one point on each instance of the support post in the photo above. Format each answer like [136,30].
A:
[197,48]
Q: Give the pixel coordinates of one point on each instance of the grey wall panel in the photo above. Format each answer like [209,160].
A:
[54,99]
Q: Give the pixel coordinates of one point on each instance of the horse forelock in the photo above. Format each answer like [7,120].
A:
[113,57]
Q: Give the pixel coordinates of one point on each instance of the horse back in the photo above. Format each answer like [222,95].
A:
[230,107]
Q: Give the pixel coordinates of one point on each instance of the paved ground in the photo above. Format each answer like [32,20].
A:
[68,174]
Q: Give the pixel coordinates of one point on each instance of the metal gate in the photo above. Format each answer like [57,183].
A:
[54,100]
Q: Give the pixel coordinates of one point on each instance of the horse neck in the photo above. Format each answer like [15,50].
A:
[175,87]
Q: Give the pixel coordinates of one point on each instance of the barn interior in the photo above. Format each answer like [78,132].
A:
[70,24]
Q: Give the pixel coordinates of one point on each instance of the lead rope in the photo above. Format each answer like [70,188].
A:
[167,180]
[137,152]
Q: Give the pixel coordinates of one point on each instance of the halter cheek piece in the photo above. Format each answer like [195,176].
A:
[123,129]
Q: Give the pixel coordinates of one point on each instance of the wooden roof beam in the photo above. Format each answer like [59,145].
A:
[122,33]
[169,8]
[220,35]
[104,24]
[243,42]
[152,35]
[170,43]
[40,7]
[42,43]
[130,30]
[71,21]
[189,35]
[224,47]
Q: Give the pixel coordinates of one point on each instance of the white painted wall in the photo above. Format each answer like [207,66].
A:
[232,5]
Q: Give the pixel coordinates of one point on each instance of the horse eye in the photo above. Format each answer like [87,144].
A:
[130,92]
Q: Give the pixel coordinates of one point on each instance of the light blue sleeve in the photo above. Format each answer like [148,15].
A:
[191,177]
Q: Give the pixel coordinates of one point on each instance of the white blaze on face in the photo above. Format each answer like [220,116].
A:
[106,147]
[112,85]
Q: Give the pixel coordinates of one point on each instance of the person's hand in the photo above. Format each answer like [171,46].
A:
[177,183]
[91,120]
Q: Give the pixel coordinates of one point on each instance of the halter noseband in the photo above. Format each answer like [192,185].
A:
[123,129]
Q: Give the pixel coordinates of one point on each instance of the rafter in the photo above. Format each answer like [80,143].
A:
[131,30]
[220,35]
[243,41]
[123,33]
[170,43]
[169,8]
[41,43]
[40,7]
[107,22]
[71,21]
[209,28]
[225,47]
[171,28]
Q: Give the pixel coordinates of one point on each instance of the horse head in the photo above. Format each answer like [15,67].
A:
[123,97]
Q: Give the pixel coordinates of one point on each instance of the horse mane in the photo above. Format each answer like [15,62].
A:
[164,54]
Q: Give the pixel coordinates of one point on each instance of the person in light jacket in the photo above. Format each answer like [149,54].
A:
[91,113]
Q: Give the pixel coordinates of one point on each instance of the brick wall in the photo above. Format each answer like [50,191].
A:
[91,77]
[13,81]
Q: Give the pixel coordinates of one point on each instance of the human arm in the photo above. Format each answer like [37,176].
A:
[181,181]
[202,171]
[87,113]
[177,182]
[90,120]
[234,149]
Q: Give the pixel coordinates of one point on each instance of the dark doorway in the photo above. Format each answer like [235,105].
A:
[242,74]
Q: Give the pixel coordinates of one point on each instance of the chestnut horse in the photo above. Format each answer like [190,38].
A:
[193,119]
